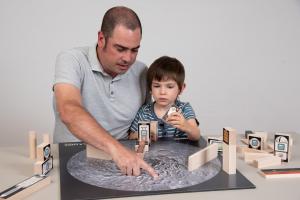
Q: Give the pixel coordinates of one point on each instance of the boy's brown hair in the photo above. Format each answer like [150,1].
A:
[165,68]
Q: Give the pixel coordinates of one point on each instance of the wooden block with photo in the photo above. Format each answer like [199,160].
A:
[43,167]
[283,146]
[144,131]
[229,150]
[43,152]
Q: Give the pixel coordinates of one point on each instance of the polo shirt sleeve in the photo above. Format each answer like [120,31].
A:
[67,69]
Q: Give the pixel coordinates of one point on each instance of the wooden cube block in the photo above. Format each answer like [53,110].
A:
[268,161]
[154,131]
[32,144]
[249,157]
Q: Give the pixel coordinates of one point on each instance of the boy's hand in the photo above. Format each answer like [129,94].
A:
[188,126]
[177,120]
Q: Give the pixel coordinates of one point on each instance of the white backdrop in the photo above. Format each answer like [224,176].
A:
[241,58]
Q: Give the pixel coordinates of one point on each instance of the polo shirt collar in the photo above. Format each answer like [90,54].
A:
[92,56]
[95,64]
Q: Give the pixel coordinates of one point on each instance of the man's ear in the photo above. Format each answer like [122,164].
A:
[182,88]
[101,39]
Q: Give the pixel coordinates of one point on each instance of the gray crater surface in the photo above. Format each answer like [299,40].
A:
[169,159]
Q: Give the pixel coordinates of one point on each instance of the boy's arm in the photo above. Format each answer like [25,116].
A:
[193,131]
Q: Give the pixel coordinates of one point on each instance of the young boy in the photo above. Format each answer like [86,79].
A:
[165,81]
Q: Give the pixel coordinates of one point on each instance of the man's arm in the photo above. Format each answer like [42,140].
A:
[87,129]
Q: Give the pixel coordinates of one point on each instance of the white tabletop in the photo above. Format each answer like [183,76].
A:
[16,166]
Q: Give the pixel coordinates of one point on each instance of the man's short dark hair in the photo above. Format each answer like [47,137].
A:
[119,15]
[166,67]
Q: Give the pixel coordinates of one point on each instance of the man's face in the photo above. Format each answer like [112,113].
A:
[118,52]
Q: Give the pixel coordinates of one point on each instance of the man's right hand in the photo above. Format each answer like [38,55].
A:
[86,128]
[130,163]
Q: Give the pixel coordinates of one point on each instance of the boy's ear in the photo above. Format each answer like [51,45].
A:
[183,87]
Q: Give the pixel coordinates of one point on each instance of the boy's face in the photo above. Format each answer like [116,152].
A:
[165,92]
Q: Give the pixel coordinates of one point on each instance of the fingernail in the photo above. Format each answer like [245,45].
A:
[156,177]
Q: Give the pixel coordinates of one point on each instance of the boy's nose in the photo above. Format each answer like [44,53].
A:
[162,90]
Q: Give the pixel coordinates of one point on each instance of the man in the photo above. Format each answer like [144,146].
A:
[99,89]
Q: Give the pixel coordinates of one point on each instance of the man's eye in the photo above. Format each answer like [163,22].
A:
[135,50]
[120,49]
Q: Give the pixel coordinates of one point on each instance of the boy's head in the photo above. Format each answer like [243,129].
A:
[166,68]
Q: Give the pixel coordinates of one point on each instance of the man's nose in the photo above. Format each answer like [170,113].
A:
[127,56]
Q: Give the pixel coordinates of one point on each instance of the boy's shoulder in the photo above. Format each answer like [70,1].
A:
[181,104]
[146,108]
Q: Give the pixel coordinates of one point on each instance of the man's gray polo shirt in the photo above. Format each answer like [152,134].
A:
[113,102]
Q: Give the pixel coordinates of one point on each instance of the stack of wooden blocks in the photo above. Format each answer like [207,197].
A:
[44,163]
[261,154]
[40,153]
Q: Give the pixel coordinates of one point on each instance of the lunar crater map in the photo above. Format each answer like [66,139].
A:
[169,159]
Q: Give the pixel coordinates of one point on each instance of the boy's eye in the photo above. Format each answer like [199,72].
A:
[156,86]
[170,86]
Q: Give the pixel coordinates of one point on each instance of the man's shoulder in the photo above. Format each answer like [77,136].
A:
[77,52]
[138,67]
[139,64]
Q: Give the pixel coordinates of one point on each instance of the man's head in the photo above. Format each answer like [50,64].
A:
[119,16]
[119,40]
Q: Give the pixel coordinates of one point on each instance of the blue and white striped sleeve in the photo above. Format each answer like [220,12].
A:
[188,112]
[137,118]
